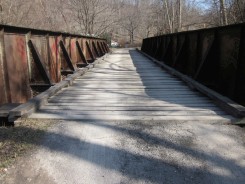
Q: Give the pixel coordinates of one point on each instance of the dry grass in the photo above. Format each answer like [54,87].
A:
[16,141]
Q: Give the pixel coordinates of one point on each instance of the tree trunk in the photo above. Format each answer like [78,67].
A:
[180,16]
[168,16]
[131,37]
[223,12]
[241,13]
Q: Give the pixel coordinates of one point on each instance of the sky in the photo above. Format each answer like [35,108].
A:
[203,4]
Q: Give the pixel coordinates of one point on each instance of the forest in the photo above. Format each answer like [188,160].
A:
[125,21]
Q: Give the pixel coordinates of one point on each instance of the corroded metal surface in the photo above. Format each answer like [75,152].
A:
[18,69]
[54,58]
[215,57]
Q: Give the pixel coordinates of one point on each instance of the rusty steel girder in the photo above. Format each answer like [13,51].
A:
[214,57]
[31,57]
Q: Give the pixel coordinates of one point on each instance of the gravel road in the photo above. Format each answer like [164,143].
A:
[137,152]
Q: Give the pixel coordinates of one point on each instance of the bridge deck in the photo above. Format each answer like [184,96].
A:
[128,86]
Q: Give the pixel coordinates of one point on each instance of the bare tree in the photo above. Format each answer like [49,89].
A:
[93,16]
[223,13]
[131,20]
[180,15]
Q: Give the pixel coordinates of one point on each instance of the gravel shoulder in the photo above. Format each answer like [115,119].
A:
[18,141]
[135,152]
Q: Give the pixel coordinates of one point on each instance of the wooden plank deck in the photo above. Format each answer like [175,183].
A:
[128,86]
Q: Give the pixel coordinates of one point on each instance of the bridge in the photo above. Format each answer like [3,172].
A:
[128,86]
[133,87]
[128,115]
